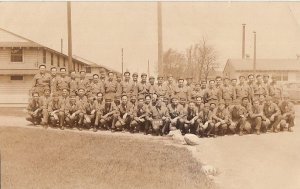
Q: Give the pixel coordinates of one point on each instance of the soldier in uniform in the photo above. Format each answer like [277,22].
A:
[203,85]
[211,93]
[275,91]
[266,82]
[41,80]
[227,92]
[135,84]
[219,82]
[221,118]
[125,114]
[259,88]
[102,76]
[257,116]
[204,122]
[119,86]
[196,92]
[160,88]
[56,111]
[83,82]
[98,106]
[81,97]
[251,83]
[45,101]
[61,82]
[90,112]
[181,91]
[109,114]
[110,86]
[74,112]
[142,86]
[35,109]
[191,115]
[243,89]
[73,82]
[176,113]
[272,114]
[126,85]
[151,85]
[287,114]
[133,100]
[170,86]
[64,97]
[140,112]
[96,85]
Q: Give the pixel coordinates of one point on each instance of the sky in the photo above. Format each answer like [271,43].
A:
[101,29]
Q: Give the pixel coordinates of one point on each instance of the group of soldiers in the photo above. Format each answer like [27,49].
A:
[220,106]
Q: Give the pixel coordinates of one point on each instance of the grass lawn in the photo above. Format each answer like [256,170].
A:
[37,158]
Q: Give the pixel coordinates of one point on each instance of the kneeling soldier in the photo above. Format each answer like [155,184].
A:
[99,105]
[273,115]
[221,118]
[73,112]
[288,115]
[56,111]
[257,116]
[176,113]
[139,114]
[204,122]
[90,112]
[191,114]
[125,114]
[109,114]
[35,109]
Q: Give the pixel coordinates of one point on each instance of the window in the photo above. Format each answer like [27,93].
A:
[285,76]
[58,61]
[16,77]
[16,55]
[52,59]
[64,62]
[88,70]
[44,56]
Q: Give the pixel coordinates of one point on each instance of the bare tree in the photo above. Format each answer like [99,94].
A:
[174,63]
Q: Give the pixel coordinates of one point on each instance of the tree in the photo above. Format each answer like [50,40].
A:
[174,63]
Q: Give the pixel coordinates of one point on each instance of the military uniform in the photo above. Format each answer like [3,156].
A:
[238,116]
[140,112]
[227,93]
[257,116]
[243,90]
[35,108]
[143,88]
[159,118]
[204,122]
[176,113]
[61,83]
[73,85]
[110,88]
[221,119]
[181,92]
[259,89]
[211,95]
[273,116]
[96,87]
[74,113]
[127,88]
[287,115]
[109,115]
[56,112]
[125,116]
[40,82]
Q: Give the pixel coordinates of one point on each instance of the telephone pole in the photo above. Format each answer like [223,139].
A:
[122,63]
[70,64]
[160,41]
[254,54]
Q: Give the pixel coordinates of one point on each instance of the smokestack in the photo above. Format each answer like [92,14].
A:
[243,42]
[70,64]
[254,55]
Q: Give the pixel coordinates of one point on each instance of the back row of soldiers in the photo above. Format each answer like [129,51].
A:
[222,107]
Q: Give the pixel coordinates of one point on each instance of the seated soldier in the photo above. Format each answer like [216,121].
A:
[125,114]
[191,114]
[288,114]
[133,100]
[176,112]
[90,112]
[139,114]
[73,112]
[64,98]
[159,118]
[204,122]
[273,115]
[81,96]
[196,92]
[257,116]
[35,109]
[238,116]
[46,98]
[109,114]
[98,106]
[221,118]
[56,111]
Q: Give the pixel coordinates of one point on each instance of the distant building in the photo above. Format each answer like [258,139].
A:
[19,61]
[284,70]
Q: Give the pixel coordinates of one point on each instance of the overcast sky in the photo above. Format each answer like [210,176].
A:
[101,29]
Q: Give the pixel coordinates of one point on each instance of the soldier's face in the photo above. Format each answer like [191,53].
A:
[147,100]
[110,75]
[35,97]
[219,81]
[242,79]
[82,74]
[72,99]
[135,78]
[211,84]
[144,78]
[245,101]
[197,87]
[55,98]
[259,79]
[95,79]
[47,93]
[198,101]
[99,97]
[256,103]
[206,108]
[226,81]
[91,99]
[268,102]
[133,101]
[124,99]
[151,81]
[261,98]
[64,92]
[154,97]
[42,69]
[251,79]
[233,82]
[53,72]
[63,73]
[203,86]
[180,82]
[175,101]
[266,79]
[170,79]
[189,81]
[119,79]
[191,105]
[127,77]
[212,106]
[141,102]
[160,80]
[73,75]
[81,92]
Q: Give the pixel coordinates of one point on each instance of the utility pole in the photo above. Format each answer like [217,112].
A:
[70,64]
[61,45]
[160,42]
[122,63]
[254,55]
[243,41]
[148,69]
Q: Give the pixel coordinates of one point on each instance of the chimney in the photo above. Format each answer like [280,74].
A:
[243,42]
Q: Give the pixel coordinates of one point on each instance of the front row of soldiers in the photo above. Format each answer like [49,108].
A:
[153,114]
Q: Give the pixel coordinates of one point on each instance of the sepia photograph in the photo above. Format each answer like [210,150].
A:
[149,95]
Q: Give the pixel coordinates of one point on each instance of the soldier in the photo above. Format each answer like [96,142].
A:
[227,92]
[196,92]
[203,85]
[273,115]
[243,90]
[257,116]
[73,82]
[170,86]
[41,80]
[189,85]
[64,98]
[119,86]
[35,109]
[133,100]
[159,118]
[126,85]
[275,91]
[139,114]
[211,94]
[102,76]
[99,104]
[110,86]
[142,86]
[221,118]
[199,103]
[259,88]
[151,85]
[191,115]
[81,97]
[45,101]
[109,114]
[117,100]
[96,85]
[135,84]
[56,111]
[125,114]
[62,82]
[251,83]
[160,88]
[204,122]
[181,91]
[262,100]
[234,85]
[83,82]
[90,112]
[218,82]
[54,77]
[287,114]
[176,113]
[266,82]
[74,112]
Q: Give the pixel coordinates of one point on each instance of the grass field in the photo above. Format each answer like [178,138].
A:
[37,158]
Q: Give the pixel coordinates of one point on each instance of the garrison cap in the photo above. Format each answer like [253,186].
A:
[135,74]
[143,74]
[126,72]
[95,75]
[245,98]
[63,69]
[151,77]
[250,75]
[160,76]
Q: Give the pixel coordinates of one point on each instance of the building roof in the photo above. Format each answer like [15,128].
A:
[265,64]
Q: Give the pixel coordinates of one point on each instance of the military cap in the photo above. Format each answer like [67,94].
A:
[42,65]
[221,102]
[245,98]
[250,75]
[53,68]
[110,71]
[82,71]
[95,75]
[133,97]
[268,98]
[213,103]
[211,80]
[160,76]
[81,87]
[180,79]
[35,92]
[124,94]
[126,72]
[135,74]
[151,77]
[147,95]
[258,75]
[63,69]
[143,74]
[72,95]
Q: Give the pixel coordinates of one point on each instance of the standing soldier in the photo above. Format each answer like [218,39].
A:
[160,88]
[191,115]
[190,86]
[56,111]
[257,116]
[126,85]
[227,92]
[275,91]
[170,86]
[73,82]
[73,112]
[45,101]
[181,91]
[90,112]
[219,82]
[41,80]
[109,114]
[196,92]
[96,85]
[251,83]
[54,77]
[221,118]
[142,86]
[62,82]
[64,98]
[234,85]
[204,122]
[259,88]
[266,82]
[211,93]
[98,106]
[83,82]
[272,113]
[288,115]
[139,116]
[151,85]
[203,85]
[35,109]
[102,76]
[125,114]
[110,86]
[119,86]
[242,90]
[135,84]
[176,113]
